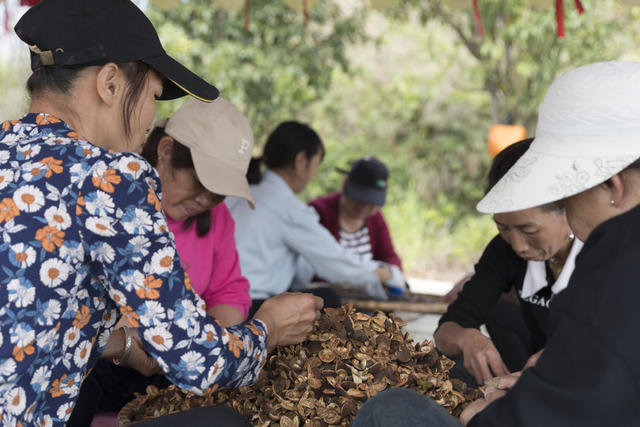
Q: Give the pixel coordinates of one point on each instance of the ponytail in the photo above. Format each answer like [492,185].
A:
[254,173]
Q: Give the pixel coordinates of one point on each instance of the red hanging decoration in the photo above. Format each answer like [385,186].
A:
[579,7]
[247,9]
[476,15]
[560,18]
[305,11]
[7,27]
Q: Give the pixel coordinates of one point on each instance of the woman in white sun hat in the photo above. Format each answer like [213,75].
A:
[585,156]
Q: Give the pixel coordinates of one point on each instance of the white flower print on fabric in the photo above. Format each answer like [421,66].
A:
[47,340]
[99,203]
[64,411]
[152,313]
[71,251]
[118,297]
[87,151]
[102,226]
[63,201]
[28,198]
[53,272]
[131,166]
[79,172]
[159,337]
[21,292]
[162,261]
[32,171]
[215,371]
[160,227]
[21,255]
[49,312]
[41,379]
[22,334]
[191,365]
[7,368]
[185,316]
[136,221]
[71,337]
[58,217]
[6,178]
[82,353]
[132,280]
[102,252]
[4,156]
[16,401]
[28,151]
[45,421]
[138,247]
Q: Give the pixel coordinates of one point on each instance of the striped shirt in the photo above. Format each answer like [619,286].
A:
[358,243]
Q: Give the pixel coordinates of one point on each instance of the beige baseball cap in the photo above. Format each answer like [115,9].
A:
[221,143]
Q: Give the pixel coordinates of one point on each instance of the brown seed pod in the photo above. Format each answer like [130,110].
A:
[348,358]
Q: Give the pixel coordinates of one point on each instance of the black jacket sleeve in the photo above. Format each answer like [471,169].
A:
[588,375]
[498,269]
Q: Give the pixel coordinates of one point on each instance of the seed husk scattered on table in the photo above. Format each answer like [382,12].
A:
[349,357]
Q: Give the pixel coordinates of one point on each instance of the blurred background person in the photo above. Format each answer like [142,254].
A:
[282,228]
[354,218]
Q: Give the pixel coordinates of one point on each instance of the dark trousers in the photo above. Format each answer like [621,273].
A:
[330,297]
[109,387]
[402,407]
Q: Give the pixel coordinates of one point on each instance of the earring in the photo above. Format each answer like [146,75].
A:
[571,235]
[613,202]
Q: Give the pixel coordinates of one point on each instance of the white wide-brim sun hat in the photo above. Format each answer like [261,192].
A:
[588,130]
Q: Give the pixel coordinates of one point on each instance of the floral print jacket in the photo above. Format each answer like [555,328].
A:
[83,241]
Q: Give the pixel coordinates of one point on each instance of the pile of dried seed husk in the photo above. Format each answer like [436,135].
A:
[348,358]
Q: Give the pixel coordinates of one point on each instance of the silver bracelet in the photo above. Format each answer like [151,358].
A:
[127,346]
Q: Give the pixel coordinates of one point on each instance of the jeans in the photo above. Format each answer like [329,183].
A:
[403,407]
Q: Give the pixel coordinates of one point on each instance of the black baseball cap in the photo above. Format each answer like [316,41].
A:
[71,33]
[367,181]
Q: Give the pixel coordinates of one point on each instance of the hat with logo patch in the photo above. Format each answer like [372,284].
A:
[221,143]
[367,181]
[72,33]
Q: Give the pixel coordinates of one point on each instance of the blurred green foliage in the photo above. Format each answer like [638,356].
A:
[415,86]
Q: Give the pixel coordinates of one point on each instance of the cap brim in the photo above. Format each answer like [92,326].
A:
[538,178]
[220,178]
[180,80]
[364,194]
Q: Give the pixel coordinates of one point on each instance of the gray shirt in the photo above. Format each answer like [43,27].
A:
[272,238]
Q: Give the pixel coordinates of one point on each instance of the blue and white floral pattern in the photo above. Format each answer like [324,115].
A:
[83,242]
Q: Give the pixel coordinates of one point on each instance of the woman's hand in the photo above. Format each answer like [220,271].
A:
[384,273]
[289,317]
[137,358]
[504,382]
[479,405]
[481,358]
[533,360]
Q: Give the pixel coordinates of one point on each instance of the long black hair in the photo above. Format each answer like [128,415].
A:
[282,147]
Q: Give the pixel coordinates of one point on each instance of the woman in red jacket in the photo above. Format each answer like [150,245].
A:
[353,216]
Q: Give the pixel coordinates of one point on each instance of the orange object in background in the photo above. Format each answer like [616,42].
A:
[501,136]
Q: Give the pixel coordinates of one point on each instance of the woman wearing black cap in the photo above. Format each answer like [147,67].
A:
[84,239]
[353,217]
